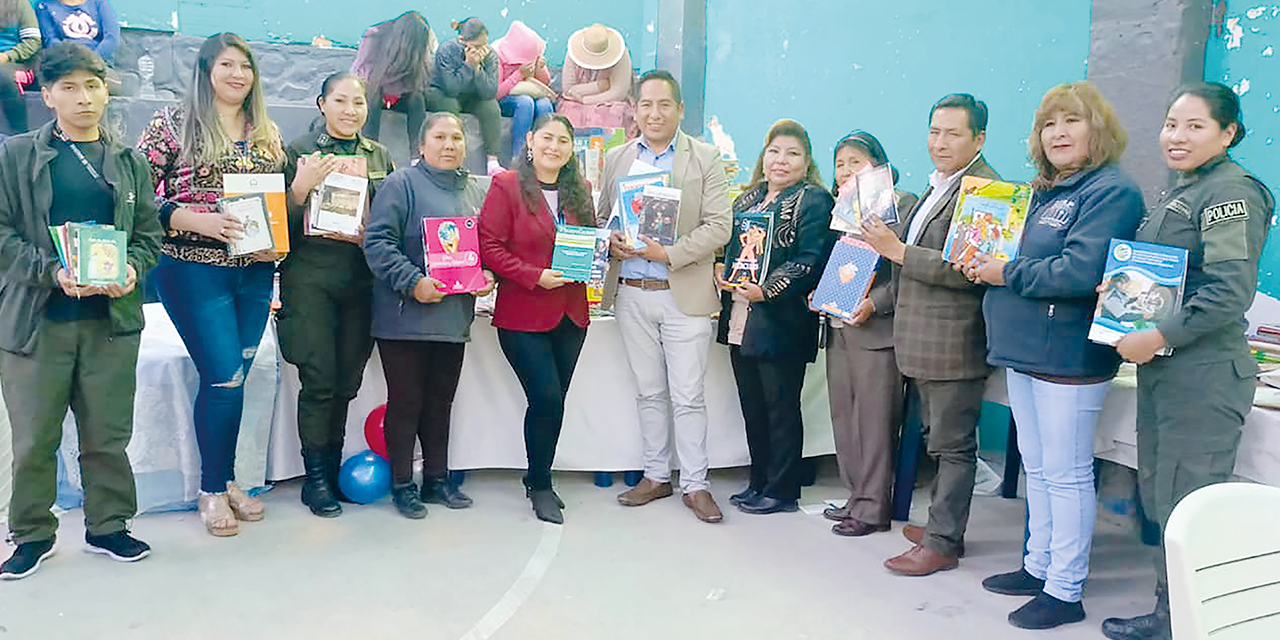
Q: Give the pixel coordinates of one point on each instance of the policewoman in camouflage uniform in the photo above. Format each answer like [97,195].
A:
[326,290]
[1192,404]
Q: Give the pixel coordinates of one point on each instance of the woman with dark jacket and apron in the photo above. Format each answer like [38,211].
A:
[1192,403]
[325,286]
[771,333]
[421,330]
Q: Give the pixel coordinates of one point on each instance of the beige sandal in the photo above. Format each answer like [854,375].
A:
[245,508]
[215,513]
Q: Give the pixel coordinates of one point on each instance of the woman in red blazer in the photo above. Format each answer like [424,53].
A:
[541,317]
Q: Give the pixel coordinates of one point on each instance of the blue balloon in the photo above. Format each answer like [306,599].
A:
[365,477]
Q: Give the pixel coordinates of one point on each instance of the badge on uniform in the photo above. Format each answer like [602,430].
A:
[1224,212]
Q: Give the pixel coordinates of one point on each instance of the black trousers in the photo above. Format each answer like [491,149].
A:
[544,363]
[422,378]
[323,327]
[769,391]
[414,105]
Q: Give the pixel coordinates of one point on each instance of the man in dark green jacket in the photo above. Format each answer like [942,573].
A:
[63,344]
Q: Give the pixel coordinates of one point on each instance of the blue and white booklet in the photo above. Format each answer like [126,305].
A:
[1143,284]
[847,279]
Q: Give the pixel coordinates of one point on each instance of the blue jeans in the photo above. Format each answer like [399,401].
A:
[1055,436]
[523,111]
[220,313]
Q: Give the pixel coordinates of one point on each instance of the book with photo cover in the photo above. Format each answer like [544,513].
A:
[988,219]
[349,166]
[747,255]
[659,208]
[271,187]
[847,278]
[1142,285]
[574,252]
[251,211]
[630,203]
[338,206]
[452,249]
[599,268]
[588,147]
[868,192]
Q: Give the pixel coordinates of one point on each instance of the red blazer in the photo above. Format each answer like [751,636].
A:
[516,245]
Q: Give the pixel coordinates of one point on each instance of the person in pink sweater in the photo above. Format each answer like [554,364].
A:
[596,83]
[524,83]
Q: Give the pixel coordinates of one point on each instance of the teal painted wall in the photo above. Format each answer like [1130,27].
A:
[343,22]
[1245,58]
[840,65]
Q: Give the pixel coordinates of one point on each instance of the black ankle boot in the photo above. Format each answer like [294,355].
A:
[408,503]
[1152,626]
[332,463]
[546,506]
[317,493]
[435,491]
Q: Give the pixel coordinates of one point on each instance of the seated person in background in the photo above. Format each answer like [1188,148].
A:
[394,61]
[466,71]
[595,87]
[91,23]
[524,84]
[19,40]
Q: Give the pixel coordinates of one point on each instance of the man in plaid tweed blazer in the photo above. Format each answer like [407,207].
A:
[939,336]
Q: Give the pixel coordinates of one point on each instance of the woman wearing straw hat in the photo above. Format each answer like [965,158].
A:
[524,84]
[596,84]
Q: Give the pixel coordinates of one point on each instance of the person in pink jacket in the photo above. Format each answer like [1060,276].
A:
[596,83]
[524,84]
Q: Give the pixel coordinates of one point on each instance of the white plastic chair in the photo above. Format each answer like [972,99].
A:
[1223,550]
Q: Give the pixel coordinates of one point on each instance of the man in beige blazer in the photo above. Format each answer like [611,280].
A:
[663,295]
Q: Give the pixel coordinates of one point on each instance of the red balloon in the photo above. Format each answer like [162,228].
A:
[373,433]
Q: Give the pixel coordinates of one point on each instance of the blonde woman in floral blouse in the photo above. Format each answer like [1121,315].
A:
[218,303]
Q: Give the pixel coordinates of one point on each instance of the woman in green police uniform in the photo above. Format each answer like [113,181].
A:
[326,288]
[1192,404]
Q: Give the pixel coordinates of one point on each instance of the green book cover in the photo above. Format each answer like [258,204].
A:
[56,232]
[574,252]
[101,255]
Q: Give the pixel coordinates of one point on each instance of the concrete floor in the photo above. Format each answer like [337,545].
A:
[494,571]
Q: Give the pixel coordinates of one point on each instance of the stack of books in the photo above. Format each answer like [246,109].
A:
[91,254]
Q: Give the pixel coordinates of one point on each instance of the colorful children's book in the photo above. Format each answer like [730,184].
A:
[452,248]
[847,278]
[748,252]
[869,192]
[251,211]
[101,250]
[271,186]
[1143,285]
[599,268]
[630,188]
[574,252]
[988,219]
[659,208]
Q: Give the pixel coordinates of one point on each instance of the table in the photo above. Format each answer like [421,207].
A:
[166,463]
[601,431]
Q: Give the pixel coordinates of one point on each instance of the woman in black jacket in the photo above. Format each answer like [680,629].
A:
[1038,311]
[768,326]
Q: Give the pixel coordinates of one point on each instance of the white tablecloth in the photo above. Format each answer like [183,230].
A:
[1116,438]
[600,433]
[163,453]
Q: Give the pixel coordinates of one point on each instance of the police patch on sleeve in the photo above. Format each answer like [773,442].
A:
[1236,210]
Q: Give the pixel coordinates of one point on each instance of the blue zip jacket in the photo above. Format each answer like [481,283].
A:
[92,24]
[1038,323]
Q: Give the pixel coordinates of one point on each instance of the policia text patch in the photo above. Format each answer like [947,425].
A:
[1225,212]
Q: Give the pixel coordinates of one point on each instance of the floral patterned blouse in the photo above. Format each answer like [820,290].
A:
[198,187]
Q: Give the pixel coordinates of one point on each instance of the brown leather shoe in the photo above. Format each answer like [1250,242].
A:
[644,493]
[915,534]
[855,528]
[703,505]
[921,561]
[836,514]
